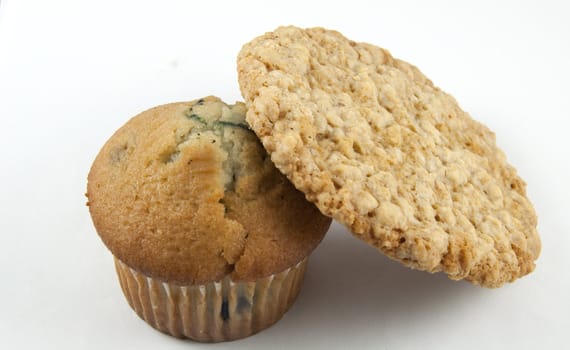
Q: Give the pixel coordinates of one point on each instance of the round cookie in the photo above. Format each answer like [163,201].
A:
[375,145]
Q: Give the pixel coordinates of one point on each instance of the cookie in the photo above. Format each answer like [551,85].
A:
[375,145]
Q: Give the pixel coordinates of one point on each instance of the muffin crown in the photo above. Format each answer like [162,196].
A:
[185,193]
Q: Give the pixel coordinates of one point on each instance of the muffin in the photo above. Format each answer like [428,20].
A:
[210,240]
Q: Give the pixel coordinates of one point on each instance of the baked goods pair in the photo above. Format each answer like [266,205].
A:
[202,224]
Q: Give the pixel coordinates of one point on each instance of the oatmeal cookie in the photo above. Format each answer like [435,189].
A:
[375,145]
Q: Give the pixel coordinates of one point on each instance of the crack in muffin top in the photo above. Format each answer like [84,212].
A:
[375,145]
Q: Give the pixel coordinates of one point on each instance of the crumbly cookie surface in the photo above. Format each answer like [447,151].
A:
[378,147]
[185,192]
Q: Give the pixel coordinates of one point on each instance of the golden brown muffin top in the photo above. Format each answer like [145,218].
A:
[185,192]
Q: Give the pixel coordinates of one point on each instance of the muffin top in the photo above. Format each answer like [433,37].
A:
[185,193]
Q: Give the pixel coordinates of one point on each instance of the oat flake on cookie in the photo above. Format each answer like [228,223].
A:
[375,145]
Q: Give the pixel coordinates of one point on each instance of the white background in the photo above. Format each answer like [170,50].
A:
[71,72]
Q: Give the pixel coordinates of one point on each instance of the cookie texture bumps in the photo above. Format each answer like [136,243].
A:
[185,193]
[375,145]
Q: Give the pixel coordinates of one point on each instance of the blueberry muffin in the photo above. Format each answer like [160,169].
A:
[210,240]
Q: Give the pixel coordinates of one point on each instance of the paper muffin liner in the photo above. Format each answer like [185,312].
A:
[211,312]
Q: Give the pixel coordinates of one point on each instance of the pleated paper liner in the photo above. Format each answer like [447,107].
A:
[211,312]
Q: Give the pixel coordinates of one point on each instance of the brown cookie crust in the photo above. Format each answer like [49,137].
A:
[184,192]
[375,145]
